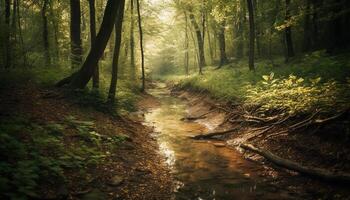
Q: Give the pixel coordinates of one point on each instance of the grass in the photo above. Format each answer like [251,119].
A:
[312,81]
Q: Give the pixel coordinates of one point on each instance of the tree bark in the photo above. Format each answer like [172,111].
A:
[8,61]
[45,33]
[251,34]
[307,43]
[222,44]
[115,63]
[23,50]
[186,45]
[132,41]
[141,47]
[82,77]
[75,33]
[200,42]
[92,10]
[288,34]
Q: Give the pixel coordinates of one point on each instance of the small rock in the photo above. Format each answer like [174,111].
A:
[116,180]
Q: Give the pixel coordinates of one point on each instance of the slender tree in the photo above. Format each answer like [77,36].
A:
[200,41]
[45,33]
[141,46]
[251,34]
[92,10]
[288,34]
[132,41]
[222,44]
[117,44]
[8,61]
[186,45]
[75,33]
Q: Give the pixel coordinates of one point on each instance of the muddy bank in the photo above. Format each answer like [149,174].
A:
[306,146]
[132,170]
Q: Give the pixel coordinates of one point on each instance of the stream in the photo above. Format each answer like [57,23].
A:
[203,169]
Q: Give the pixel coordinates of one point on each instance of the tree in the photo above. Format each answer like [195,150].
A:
[200,41]
[251,34]
[117,43]
[45,33]
[132,40]
[141,47]
[222,44]
[8,61]
[288,33]
[92,10]
[82,77]
[75,33]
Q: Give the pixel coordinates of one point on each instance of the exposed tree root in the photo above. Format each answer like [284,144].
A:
[214,134]
[314,172]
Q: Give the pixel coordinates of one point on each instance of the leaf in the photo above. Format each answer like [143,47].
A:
[265,77]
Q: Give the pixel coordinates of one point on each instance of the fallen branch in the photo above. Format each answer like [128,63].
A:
[314,172]
[214,134]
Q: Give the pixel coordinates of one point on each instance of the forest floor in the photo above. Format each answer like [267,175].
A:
[323,148]
[121,162]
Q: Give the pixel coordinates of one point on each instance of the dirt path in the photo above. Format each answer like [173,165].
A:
[133,170]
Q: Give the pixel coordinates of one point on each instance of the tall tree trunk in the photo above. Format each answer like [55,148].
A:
[82,77]
[132,41]
[75,33]
[117,43]
[307,43]
[209,41]
[23,50]
[92,10]
[8,61]
[288,34]
[45,33]
[222,44]
[199,42]
[186,45]
[239,33]
[55,32]
[257,28]
[141,47]
[251,34]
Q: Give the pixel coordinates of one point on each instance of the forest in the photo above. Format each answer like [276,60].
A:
[174,99]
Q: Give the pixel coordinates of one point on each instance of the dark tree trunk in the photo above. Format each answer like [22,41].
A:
[141,47]
[307,44]
[8,61]
[55,32]
[288,34]
[75,33]
[92,10]
[23,50]
[222,44]
[45,33]
[200,42]
[82,77]
[132,41]
[251,34]
[117,43]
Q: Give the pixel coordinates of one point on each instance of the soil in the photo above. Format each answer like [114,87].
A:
[135,170]
[325,148]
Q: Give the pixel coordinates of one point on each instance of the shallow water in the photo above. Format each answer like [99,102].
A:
[201,169]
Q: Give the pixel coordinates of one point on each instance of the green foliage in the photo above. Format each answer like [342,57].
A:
[33,154]
[316,81]
[296,95]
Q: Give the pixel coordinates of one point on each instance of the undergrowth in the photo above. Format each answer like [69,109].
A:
[313,82]
[36,154]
